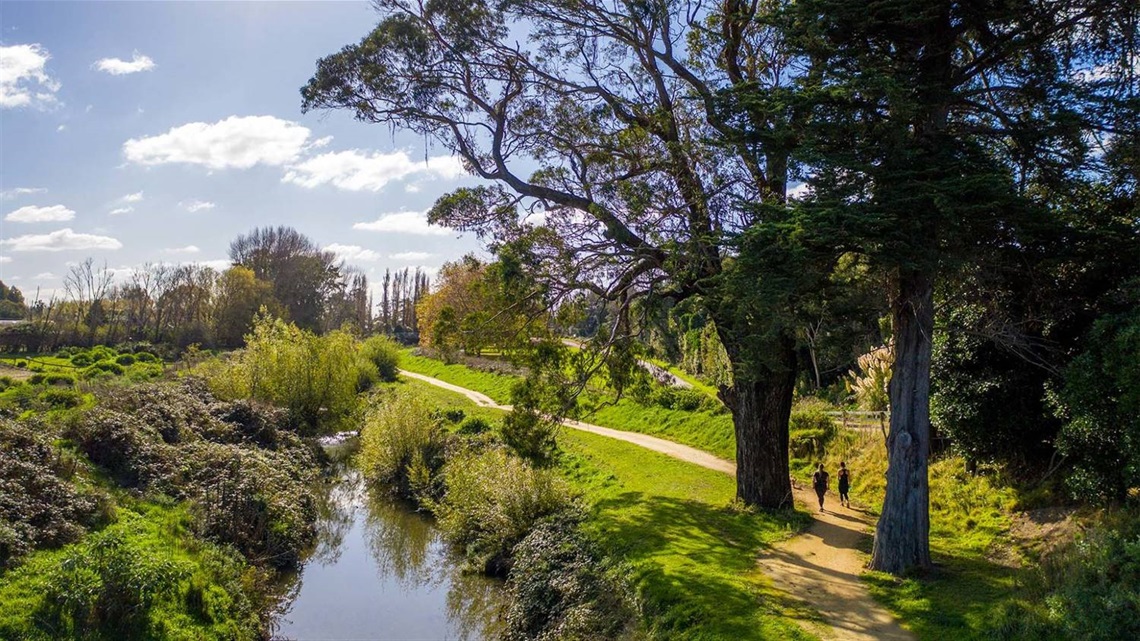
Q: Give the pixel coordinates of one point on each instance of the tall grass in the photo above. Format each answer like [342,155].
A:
[315,377]
[402,444]
[493,499]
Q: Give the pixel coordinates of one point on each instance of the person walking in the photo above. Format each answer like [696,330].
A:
[844,484]
[819,484]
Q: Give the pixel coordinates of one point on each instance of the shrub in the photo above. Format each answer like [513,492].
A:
[61,398]
[6,382]
[810,429]
[454,415]
[130,450]
[101,353]
[560,588]
[401,444]
[474,425]
[141,373]
[102,369]
[145,357]
[384,353]
[1087,590]
[38,507]
[125,359]
[63,380]
[21,364]
[81,360]
[314,377]
[869,384]
[262,502]
[492,501]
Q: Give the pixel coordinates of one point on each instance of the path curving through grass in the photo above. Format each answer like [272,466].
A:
[821,566]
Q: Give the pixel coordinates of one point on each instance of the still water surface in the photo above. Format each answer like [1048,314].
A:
[381,571]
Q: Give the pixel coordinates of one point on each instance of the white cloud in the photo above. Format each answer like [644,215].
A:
[119,67]
[189,249]
[121,210]
[34,214]
[355,170]
[61,240]
[61,128]
[405,222]
[45,276]
[24,81]
[220,264]
[195,205]
[352,253]
[412,256]
[133,198]
[9,194]
[5,259]
[237,142]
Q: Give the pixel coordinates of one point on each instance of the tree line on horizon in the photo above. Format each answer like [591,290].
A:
[275,269]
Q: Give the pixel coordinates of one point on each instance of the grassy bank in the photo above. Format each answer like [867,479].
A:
[143,577]
[692,554]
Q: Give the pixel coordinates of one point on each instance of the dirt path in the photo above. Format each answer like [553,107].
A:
[821,566]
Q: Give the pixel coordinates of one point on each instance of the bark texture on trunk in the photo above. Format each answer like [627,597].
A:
[902,536]
[760,412]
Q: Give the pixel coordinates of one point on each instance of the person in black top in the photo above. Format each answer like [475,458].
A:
[844,484]
[819,484]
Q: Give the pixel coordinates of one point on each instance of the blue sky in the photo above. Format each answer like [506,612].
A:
[157,132]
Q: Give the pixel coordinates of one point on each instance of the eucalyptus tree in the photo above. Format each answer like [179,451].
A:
[639,147]
[940,131]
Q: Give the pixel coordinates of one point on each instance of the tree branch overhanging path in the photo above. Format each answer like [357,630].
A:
[821,566]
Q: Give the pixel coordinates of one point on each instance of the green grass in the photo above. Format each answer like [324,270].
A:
[708,431]
[692,554]
[41,363]
[194,586]
[497,386]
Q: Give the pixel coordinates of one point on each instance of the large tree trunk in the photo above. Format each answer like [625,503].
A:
[902,537]
[760,411]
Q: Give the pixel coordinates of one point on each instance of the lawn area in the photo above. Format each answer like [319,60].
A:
[692,555]
[497,386]
[630,490]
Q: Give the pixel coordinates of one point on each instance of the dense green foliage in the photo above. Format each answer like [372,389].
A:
[402,444]
[492,500]
[1089,589]
[315,377]
[143,577]
[562,587]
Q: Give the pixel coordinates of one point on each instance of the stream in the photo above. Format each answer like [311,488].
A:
[382,571]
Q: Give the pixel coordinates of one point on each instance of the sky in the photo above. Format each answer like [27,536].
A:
[157,132]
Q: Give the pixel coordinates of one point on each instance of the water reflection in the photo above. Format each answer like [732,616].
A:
[381,571]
